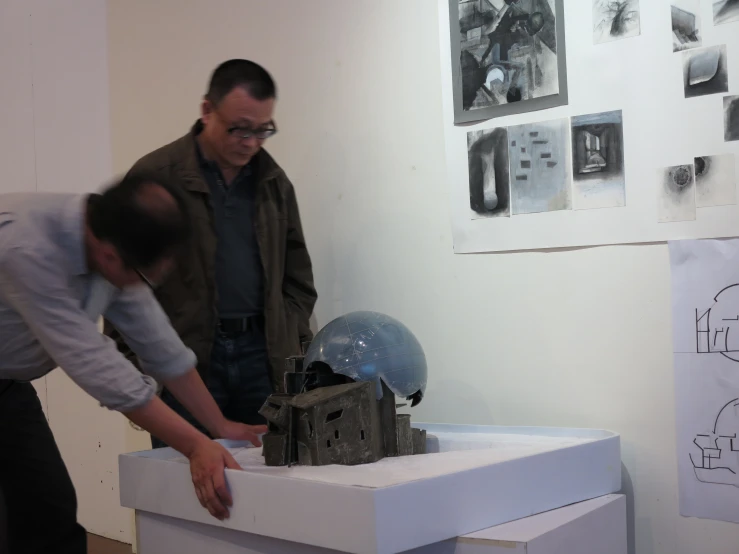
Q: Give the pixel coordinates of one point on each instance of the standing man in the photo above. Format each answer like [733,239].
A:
[65,260]
[243,293]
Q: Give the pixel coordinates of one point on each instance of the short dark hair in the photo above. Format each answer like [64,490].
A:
[240,73]
[144,217]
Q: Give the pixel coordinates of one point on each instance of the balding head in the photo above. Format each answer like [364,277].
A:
[145,219]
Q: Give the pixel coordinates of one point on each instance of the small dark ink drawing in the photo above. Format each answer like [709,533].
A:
[725,11]
[489,173]
[615,19]
[685,25]
[705,71]
[731,118]
[677,194]
[598,161]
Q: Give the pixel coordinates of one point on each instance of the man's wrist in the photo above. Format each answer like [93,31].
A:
[219,429]
[193,443]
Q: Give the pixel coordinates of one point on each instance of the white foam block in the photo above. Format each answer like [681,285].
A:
[480,477]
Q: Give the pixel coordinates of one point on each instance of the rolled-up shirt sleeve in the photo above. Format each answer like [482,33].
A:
[146,329]
[72,340]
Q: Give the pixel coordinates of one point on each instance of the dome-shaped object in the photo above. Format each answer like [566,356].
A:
[369,346]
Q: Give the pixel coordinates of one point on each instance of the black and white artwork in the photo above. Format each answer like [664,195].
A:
[539,167]
[731,118]
[507,57]
[676,194]
[705,71]
[615,19]
[686,25]
[598,161]
[490,194]
[725,11]
[715,181]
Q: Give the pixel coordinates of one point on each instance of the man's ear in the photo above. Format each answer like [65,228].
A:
[206,110]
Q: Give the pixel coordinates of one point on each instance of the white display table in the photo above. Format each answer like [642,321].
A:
[475,478]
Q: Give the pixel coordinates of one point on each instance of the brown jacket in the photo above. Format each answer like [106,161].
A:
[188,296]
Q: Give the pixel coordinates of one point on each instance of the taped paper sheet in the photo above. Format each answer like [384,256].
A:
[705,317]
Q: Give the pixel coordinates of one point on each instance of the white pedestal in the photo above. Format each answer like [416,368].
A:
[476,478]
[595,526]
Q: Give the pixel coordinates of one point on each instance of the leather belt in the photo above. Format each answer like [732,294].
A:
[240,325]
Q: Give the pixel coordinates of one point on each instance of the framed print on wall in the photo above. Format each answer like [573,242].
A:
[508,57]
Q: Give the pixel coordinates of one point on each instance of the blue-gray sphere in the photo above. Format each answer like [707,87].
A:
[368,346]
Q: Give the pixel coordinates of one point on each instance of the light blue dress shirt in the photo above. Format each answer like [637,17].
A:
[50,304]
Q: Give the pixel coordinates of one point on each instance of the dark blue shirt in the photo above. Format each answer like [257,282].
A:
[239,273]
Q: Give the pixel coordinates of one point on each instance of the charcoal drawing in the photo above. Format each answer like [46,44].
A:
[705,71]
[676,194]
[725,11]
[509,53]
[715,181]
[615,19]
[731,118]
[598,161]
[540,167]
[488,169]
[686,22]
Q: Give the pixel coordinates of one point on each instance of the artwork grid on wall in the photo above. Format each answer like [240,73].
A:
[557,165]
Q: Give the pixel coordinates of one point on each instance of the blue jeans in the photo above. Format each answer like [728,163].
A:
[239,380]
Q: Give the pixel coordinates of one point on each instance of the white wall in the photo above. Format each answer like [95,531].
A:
[54,136]
[569,338]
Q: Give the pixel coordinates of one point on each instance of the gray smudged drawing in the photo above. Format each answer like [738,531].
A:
[725,11]
[540,167]
[488,173]
[508,51]
[676,194]
[686,25]
[598,161]
[715,181]
[705,71]
[731,118]
[615,19]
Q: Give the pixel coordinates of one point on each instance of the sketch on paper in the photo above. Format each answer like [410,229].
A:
[706,352]
[615,19]
[598,161]
[725,11]
[676,194]
[717,328]
[539,167]
[731,118]
[718,461]
[685,25]
[509,53]
[487,153]
[705,71]
[715,181]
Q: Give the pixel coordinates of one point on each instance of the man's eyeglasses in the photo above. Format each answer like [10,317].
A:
[145,279]
[243,133]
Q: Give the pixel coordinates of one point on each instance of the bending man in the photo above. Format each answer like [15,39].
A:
[65,261]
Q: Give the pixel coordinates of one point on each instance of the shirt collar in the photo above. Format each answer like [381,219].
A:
[72,236]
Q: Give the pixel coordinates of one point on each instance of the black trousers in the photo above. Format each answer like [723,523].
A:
[40,501]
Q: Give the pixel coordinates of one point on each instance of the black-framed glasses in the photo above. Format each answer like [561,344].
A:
[243,133]
[145,279]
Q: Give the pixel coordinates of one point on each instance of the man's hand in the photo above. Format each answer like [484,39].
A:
[208,461]
[241,432]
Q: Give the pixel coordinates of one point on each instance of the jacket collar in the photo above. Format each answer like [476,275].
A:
[188,165]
